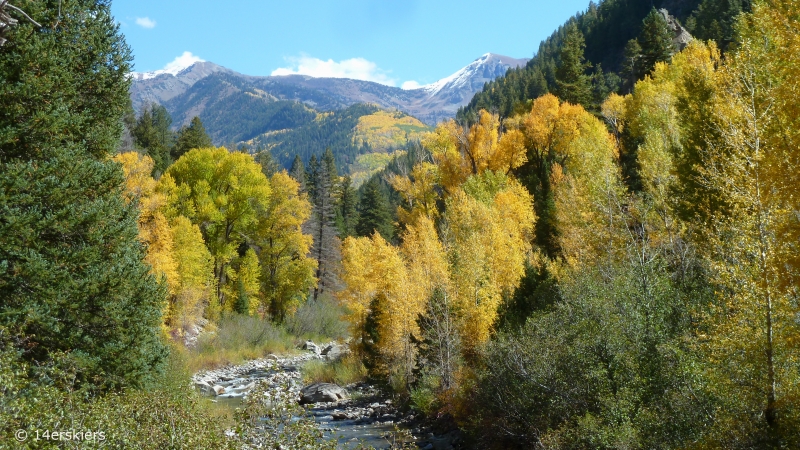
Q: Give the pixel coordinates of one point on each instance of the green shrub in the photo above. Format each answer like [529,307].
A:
[423,399]
[343,371]
[168,415]
[238,338]
[320,318]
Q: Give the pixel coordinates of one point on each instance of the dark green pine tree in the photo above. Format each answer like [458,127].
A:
[631,65]
[298,172]
[716,19]
[329,162]
[74,288]
[573,85]
[322,180]
[373,212]
[346,208]
[655,41]
[312,175]
[193,136]
[153,134]
[268,164]
[603,84]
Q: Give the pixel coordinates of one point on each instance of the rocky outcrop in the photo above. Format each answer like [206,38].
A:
[322,392]
[334,351]
[680,37]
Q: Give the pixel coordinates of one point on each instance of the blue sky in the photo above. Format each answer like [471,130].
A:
[389,41]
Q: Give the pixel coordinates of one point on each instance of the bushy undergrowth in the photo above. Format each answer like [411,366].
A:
[237,339]
[343,371]
[317,319]
[166,415]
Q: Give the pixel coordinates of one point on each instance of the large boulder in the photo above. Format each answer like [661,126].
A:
[312,347]
[322,392]
[334,351]
[205,388]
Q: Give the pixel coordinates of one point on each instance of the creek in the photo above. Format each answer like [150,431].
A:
[366,417]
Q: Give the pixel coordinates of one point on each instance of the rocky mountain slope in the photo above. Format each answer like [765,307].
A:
[220,96]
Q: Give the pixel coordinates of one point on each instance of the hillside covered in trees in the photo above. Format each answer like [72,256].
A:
[358,130]
[607,29]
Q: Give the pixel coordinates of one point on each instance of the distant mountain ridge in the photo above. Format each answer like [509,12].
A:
[204,89]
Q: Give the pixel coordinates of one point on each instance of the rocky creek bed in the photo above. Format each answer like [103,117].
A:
[356,414]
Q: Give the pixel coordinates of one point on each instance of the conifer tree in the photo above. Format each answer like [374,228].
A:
[715,19]
[153,134]
[311,177]
[268,164]
[655,41]
[298,172]
[73,284]
[322,226]
[373,212]
[572,83]
[193,136]
[346,211]
[631,64]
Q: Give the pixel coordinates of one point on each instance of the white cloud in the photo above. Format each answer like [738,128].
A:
[410,85]
[355,68]
[145,22]
[181,62]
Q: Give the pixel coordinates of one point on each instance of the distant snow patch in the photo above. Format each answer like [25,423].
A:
[174,67]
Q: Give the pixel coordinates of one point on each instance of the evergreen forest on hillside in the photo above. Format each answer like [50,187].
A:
[599,252]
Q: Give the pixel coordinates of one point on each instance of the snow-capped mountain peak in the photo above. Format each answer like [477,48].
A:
[174,68]
[486,68]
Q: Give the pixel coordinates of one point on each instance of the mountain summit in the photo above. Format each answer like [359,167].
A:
[221,96]
[472,77]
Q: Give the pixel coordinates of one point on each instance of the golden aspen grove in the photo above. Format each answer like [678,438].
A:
[574,279]
[195,221]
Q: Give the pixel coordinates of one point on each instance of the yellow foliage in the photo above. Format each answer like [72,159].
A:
[369,164]
[194,266]
[482,250]
[426,259]
[754,164]
[376,276]
[418,191]
[387,130]
[614,111]
[288,272]
[585,177]
[460,152]
[445,145]
[487,245]
[223,193]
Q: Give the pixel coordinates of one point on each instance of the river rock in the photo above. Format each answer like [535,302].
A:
[322,392]
[311,347]
[333,351]
[204,388]
[242,388]
[218,390]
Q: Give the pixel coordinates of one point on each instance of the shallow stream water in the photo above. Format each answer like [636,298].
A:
[349,433]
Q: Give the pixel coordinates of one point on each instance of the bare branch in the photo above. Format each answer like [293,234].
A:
[24,14]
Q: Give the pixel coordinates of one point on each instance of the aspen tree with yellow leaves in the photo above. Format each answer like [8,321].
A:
[486,228]
[175,247]
[751,348]
[223,193]
[288,273]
